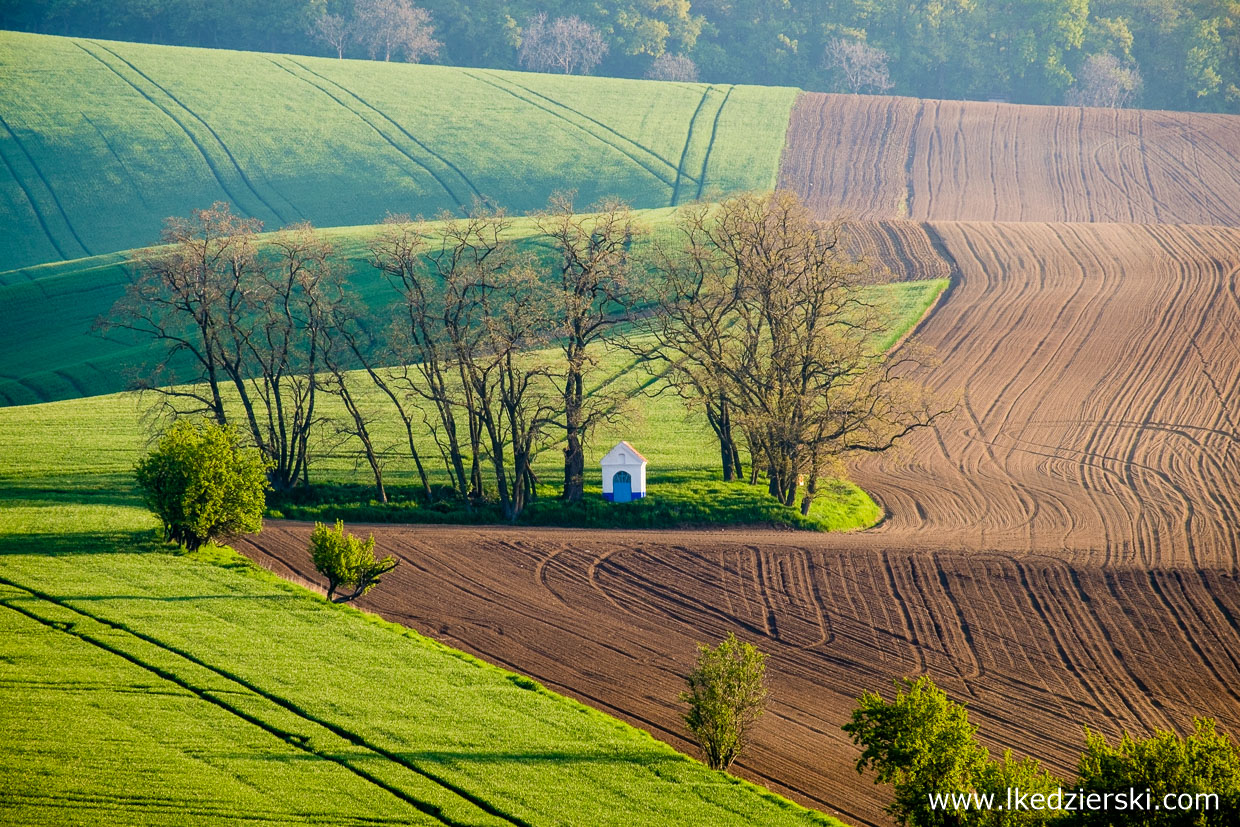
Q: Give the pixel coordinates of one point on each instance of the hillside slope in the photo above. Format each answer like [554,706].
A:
[888,157]
[100,141]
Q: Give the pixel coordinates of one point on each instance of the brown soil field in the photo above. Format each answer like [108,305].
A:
[889,157]
[1038,647]
[1061,553]
[1098,368]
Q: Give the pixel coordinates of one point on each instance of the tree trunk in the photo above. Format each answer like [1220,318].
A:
[362,432]
[811,488]
[574,450]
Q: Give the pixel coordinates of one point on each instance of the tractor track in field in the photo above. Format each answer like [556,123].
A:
[637,144]
[710,145]
[420,144]
[684,153]
[344,739]
[207,158]
[34,205]
[664,177]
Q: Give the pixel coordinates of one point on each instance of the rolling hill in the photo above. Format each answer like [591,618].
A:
[100,141]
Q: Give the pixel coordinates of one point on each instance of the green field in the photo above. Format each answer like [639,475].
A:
[141,686]
[100,141]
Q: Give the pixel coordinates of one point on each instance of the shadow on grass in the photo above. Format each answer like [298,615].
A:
[89,490]
[459,758]
[64,543]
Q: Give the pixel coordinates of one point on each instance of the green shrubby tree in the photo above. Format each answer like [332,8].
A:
[1205,762]
[995,778]
[346,560]
[726,696]
[922,744]
[203,484]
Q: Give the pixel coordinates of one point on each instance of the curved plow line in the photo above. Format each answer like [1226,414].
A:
[684,153]
[34,205]
[714,130]
[1044,611]
[906,616]
[403,130]
[625,138]
[578,126]
[213,696]
[198,144]
[1186,634]
[413,159]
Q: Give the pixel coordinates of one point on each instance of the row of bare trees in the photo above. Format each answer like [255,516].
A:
[753,312]
[488,348]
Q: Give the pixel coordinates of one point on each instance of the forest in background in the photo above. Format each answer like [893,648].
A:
[1158,54]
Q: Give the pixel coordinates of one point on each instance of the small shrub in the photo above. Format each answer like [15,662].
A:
[727,693]
[346,560]
[203,484]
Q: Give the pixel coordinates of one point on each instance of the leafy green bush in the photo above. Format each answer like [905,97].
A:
[345,560]
[727,693]
[1193,768]
[921,743]
[203,484]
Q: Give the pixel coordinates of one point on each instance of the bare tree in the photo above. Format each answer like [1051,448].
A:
[861,66]
[591,294]
[368,353]
[416,338]
[347,345]
[668,66]
[1107,82]
[275,348]
[396,27]
[497,316]
[177,296]
[566,44]
[333,30]
[762,309]
[249,317]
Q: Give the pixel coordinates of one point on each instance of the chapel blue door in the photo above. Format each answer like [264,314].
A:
[622,487]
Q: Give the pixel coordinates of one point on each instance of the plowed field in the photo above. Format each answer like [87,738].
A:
[884,157]
[1063,553]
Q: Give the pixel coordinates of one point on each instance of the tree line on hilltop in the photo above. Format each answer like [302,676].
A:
[1165,54]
